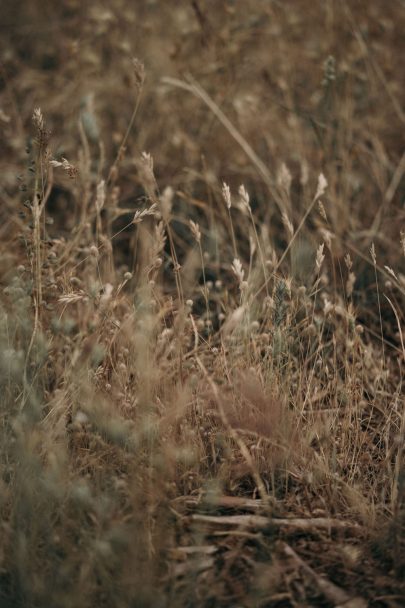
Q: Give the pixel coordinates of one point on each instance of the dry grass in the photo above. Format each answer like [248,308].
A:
[201,319]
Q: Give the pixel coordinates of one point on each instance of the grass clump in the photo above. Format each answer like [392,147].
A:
[201,343]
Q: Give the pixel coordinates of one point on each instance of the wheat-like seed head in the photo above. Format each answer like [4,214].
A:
[237,269]
[100,199]
[322,185]
[319,256]
[284,178]
[195,229]
[226,193]
[245,199]
[140,215]
[373,254]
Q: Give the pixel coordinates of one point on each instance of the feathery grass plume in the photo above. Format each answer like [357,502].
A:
[233,321]
[288,224]
[321,187]
[304,174]
[138,73]
[165,205]
[246,208]
[373,254]
[43,135]
[100,198]
[322,211]
[226,193]
[284,178]
[166,202]
[147,176]
[328,237]
[70,169]
[319,257]
[238,271]
[391,272]
[351,280]
[140,215]
[403,241]
[38,120]
[348,261]
[160,239]
[195,229]
[244,198]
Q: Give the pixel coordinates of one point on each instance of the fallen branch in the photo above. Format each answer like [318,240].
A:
[259,522]
[192,567]
[228,502]
[183,552]
[332,592]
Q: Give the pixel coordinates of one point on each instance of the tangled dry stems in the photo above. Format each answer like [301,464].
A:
[171,344]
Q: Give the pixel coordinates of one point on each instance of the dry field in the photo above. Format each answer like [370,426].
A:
[202,247]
